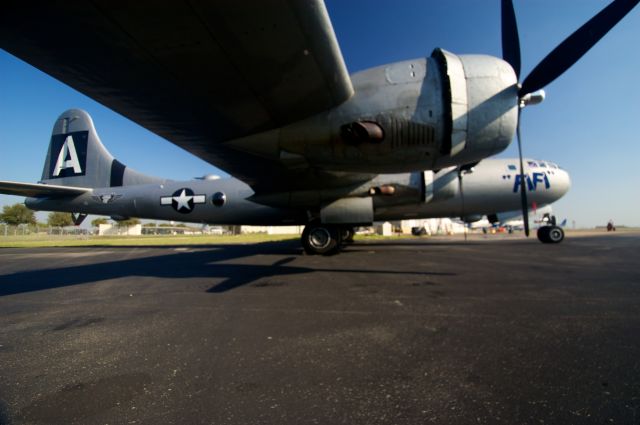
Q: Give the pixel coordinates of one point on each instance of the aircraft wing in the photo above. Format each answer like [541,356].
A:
[197,73]
[35,190]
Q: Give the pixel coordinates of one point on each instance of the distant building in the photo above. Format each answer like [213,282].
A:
[433,226]
[273,230]
[111,230]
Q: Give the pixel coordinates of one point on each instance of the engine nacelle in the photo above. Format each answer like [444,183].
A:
[481,106]
[414,115]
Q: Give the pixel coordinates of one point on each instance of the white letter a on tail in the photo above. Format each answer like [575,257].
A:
[68,148]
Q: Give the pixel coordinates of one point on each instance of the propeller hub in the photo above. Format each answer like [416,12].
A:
[532,98]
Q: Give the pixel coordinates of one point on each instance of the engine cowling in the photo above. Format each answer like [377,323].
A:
[482,114]
[414,115]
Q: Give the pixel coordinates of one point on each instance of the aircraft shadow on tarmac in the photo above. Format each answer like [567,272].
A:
[205,262]
[424,242]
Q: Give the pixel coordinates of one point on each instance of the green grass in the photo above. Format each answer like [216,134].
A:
[43,240]
[38,241]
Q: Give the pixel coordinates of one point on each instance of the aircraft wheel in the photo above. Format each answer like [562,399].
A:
[543,234]
[323,239]
[347,234]
[556,234]
[550,234]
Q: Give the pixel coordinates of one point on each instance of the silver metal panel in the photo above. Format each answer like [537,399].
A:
[493,108]
[406,72]
[490,188]
[428,186]
[459,102]
[348,210]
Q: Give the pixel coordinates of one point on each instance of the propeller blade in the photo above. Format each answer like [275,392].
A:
[575,46]
[523,183]
[510,38]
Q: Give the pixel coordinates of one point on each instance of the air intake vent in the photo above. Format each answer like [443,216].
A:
[403,133]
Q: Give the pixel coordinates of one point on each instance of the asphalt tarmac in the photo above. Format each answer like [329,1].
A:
[494,330]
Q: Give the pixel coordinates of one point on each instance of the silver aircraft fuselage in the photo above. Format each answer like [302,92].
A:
[491,186]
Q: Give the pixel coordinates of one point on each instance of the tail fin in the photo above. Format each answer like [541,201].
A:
[76,157]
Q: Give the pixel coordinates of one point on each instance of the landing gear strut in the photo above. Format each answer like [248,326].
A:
[550,234]
[323,239]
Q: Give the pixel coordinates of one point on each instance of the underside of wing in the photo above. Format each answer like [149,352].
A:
[197,73]
[37,190]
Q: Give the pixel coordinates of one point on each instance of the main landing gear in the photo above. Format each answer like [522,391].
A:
[550,234]
[325,239]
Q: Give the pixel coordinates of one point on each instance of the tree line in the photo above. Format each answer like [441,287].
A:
[17,214]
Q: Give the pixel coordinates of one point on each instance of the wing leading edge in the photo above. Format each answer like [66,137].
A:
[194,72]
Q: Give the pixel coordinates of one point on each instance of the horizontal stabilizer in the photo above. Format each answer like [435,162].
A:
[37,190]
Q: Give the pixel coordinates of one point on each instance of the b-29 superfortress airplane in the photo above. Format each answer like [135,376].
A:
[81,176]
[260,90]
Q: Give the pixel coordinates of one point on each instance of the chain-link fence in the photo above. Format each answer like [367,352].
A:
[26,230]
[7,230]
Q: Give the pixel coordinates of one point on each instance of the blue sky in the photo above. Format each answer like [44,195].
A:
[589,123]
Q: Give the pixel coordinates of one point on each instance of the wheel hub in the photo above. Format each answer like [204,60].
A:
[555,234]
[319,238]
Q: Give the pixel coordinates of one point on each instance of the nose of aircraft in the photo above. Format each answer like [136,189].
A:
[562,183]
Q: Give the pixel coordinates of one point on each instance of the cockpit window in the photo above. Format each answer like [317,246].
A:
[542,164]
[512,167]
[532,164]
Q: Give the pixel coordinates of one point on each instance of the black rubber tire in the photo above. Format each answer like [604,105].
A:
[322,239]
[418,231]
[550,234]
[543,234]
[346,235]
[556,234]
